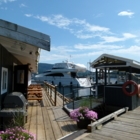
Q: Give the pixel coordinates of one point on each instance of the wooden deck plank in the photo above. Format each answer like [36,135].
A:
[59,119]
[40,124]
[97,136]
[57,132]
[114,134]
[129,121]
[27,124]
[47,124]
[131,116]
[32,127]
[123,128]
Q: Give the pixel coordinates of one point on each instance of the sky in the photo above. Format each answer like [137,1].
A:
[80,30]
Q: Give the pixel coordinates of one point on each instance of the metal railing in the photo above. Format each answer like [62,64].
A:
[80,96]
[51,91]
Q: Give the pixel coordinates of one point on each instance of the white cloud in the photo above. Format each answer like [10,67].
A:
[6,1]
[96,47]
[110,39]
[80,28]
[128,35]
[98,15]
[126,13]
[94,28]
[130,52]
[3,8]
[84,56]
[57,20]
[62,49]
[28,15]
[23,5]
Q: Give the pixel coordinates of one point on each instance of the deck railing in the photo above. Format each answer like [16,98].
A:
[86,97]
[73,97]
[51,91]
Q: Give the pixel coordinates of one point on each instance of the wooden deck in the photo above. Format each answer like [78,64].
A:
[48,122]
[124,127]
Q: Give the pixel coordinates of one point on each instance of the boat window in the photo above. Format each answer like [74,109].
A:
[59,68]
[55,74]
[73,74]
[46,71]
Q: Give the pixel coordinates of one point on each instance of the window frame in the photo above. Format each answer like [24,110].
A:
[4,80]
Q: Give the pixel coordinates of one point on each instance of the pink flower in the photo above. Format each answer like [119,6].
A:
[83,113]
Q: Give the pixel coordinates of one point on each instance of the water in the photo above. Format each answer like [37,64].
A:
[68,90]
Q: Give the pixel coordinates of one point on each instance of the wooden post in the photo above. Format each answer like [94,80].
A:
[51,92]
[55,90]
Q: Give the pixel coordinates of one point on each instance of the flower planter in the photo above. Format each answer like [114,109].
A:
[83,123]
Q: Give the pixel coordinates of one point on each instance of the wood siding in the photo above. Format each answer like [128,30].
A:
[7,60]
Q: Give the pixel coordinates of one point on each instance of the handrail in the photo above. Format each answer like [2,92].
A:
[51,91]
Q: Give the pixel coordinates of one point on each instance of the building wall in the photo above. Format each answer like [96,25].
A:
[7,60]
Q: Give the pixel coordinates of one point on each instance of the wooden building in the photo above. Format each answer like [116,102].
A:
[19,55]
[125,69]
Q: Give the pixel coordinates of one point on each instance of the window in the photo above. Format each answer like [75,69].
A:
[4,80]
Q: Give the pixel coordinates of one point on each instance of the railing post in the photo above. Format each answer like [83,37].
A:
[51,92]
[55,94]
[73,99]
[90,99]
[63,95]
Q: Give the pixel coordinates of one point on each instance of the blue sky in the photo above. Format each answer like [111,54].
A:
[80,30]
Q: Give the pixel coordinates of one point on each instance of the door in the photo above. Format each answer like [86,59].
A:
[21,78]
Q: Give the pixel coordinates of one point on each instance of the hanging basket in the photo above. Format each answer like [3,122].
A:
[83,123]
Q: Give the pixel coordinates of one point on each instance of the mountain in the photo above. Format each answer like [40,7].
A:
[43,67]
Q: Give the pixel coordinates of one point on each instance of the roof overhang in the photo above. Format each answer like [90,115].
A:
[25,44]
[111,61]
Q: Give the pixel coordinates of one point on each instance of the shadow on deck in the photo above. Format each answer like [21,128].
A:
[48,122]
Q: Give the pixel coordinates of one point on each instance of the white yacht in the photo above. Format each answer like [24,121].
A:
[64,73]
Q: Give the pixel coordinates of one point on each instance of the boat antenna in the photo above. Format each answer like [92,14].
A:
[69,58]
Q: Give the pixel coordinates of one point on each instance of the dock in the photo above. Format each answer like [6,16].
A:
[48,122]
[124,127]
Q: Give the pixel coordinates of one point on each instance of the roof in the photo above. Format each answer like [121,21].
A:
[108,61]
[23,43]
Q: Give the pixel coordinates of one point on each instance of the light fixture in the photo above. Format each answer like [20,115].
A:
[22,46]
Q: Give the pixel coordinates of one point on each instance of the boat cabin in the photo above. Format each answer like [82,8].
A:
[122,70]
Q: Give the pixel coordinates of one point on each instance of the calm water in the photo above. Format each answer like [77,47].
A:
[69,90]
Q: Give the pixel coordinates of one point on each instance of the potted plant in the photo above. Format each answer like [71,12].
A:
[83,116]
